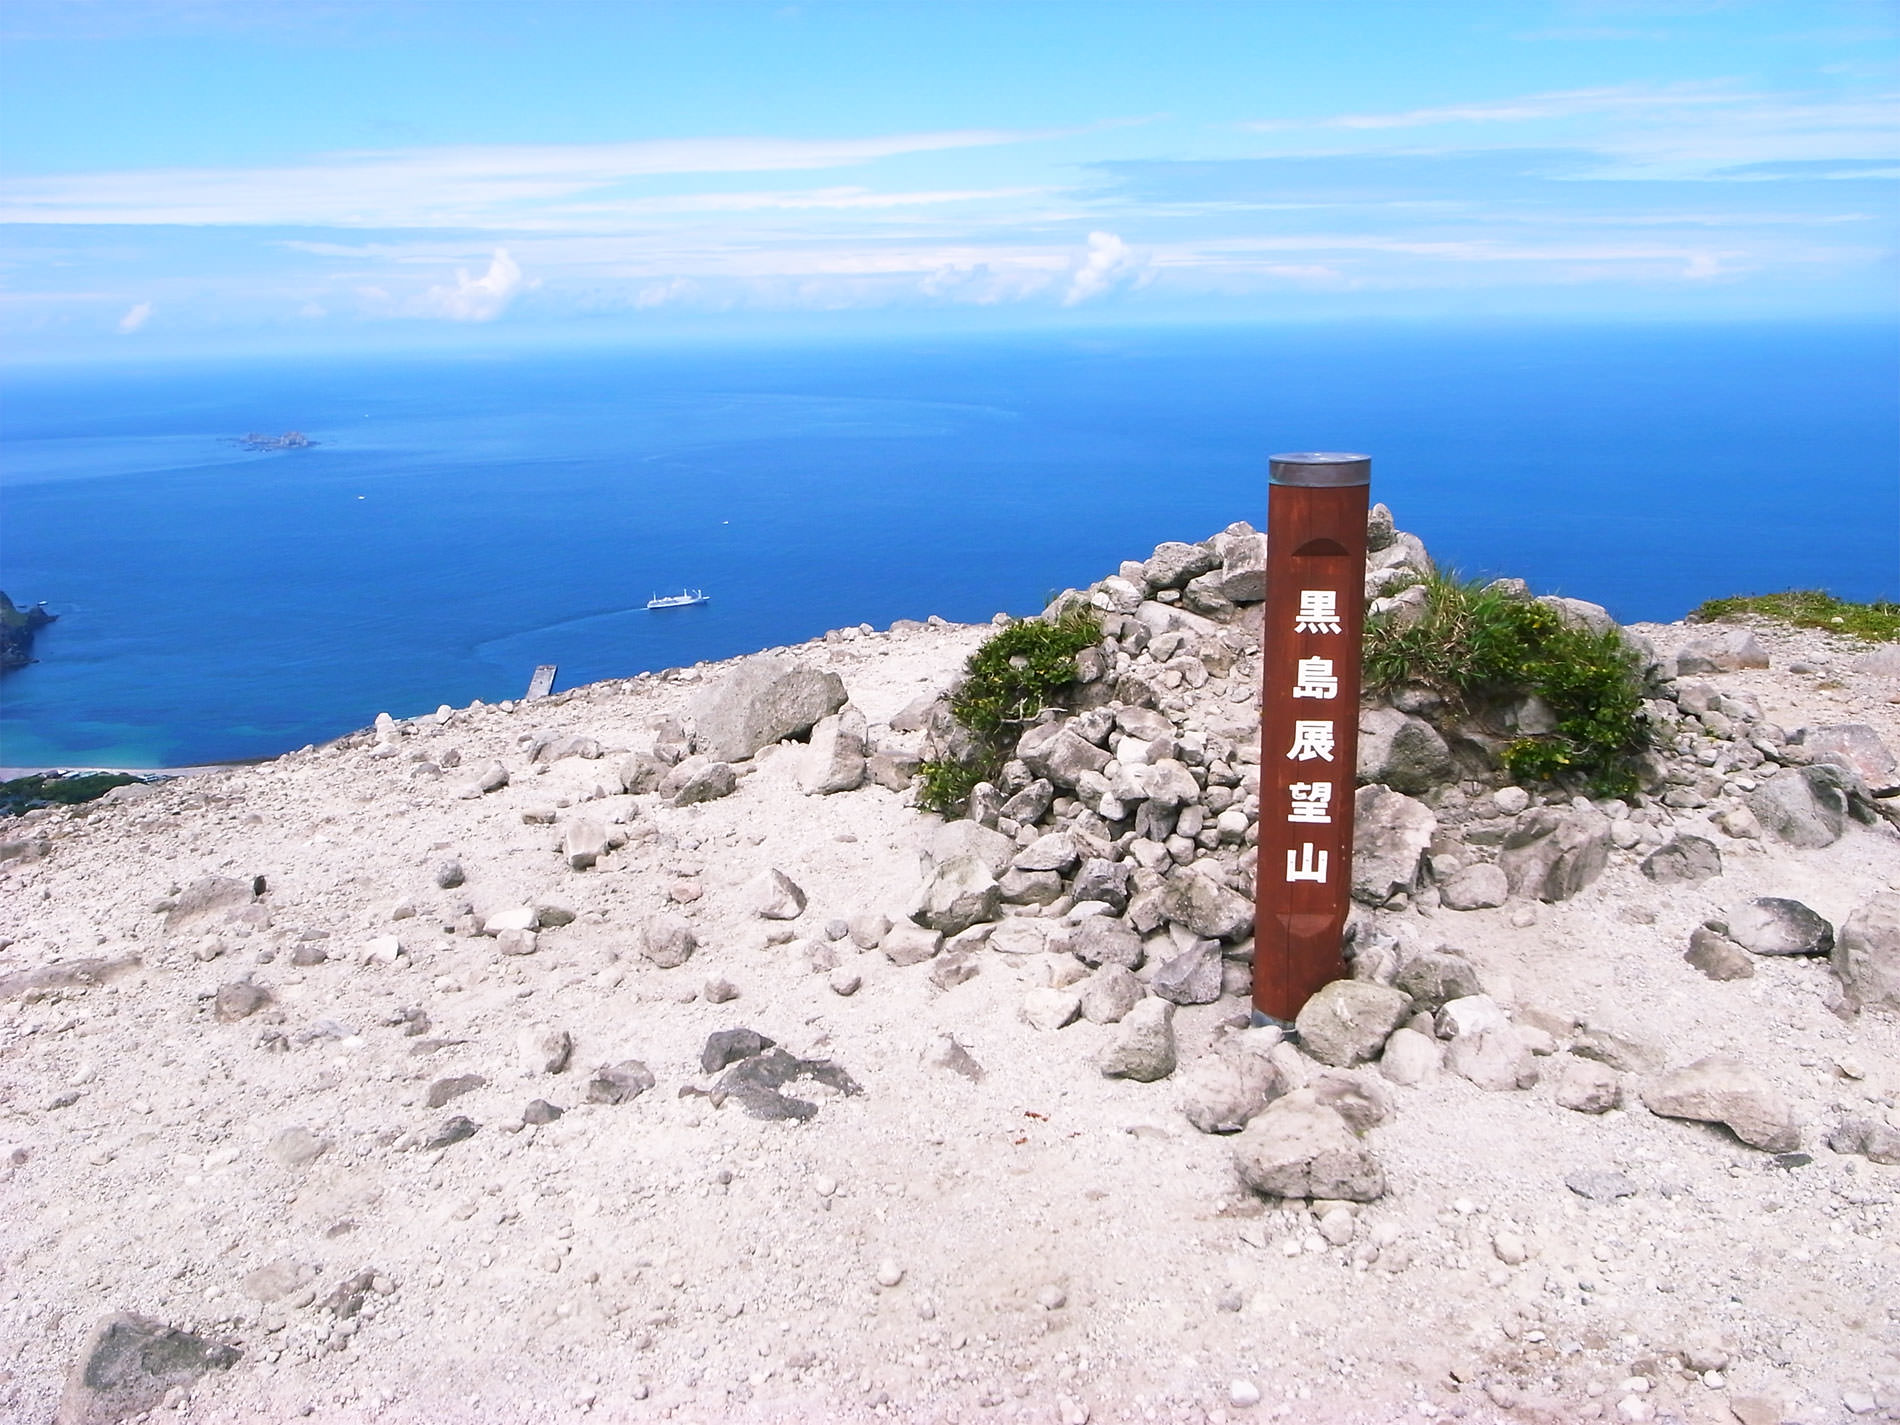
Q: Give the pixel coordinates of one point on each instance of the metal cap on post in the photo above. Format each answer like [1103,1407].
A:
[1309,724]
[1320,469]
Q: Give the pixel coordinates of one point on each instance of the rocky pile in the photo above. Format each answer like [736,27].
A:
[644,1051]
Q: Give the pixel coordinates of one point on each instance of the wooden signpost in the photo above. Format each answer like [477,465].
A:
[1309,725]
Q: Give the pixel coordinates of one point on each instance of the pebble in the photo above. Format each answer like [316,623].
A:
[1242,1393]
[1052,1298]
[718,990]
[889,1273]
[845,981]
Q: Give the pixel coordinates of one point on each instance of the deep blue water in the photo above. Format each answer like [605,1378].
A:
[465,519]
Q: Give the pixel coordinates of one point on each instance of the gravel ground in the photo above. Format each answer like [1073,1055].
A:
[1037,1243]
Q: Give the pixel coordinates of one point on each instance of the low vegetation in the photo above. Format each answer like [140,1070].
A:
[1016,673]
[1877,622]
[55,789]
[1481,649]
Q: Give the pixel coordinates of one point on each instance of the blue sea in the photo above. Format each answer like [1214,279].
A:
[463,519]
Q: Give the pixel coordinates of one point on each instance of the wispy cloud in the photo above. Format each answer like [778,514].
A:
[1556,104]
[1669,131]
[452,186]
[135,318]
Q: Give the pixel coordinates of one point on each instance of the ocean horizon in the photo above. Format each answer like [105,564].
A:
[462,519]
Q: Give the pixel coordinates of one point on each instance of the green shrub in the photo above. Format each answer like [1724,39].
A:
[40,789]
[1478,647]
[1877,622]
[1014,675]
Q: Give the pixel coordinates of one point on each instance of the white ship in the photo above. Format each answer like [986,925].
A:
[685,599]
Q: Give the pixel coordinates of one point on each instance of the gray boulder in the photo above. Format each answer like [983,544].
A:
[1551,853]
[1729,1092]
[1055,852]
[959,893]
[1867,953]
[1480,887]
[1683,858]
[1242,576]
[1726,651]
[482,779]
[1803,806]
[1867,1138]
[555,748]
[1143,1046]
[1857,747]
[1222,1090]
[1716,956]
[1410,1058]
[1030,887]
[1205,907]
[1109,993]
[1391,836]
[1775,925]
[1056,753]
[1356,1095]
[1496,1060]
[583,843]
[699,780]
[1192,977]
[763,700]
[1579,614]
[1348,1021]
[128,1365]
[1380,528]
[969,838]
[773,895]
[1402,752]
[1103,940]
[1031,804]
[619,1083]
[667,940]
[1437,976]
[835,761]
[910,944]
[1105,881]
[1173,564]
[1298,1148]
[1584,1086]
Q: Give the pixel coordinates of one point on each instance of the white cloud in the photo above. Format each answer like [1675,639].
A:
[1108,263]
[477,299]
[1672,131]
[661,294]
[462,186]
[1554,104]
[137,317]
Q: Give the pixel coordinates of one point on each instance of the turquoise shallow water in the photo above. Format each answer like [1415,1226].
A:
[463,520]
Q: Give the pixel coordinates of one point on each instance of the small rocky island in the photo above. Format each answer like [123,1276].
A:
[17,627]
[289,440]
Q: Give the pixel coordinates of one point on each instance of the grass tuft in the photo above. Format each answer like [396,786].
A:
[1877,622]
[1013,676]
[1479,648]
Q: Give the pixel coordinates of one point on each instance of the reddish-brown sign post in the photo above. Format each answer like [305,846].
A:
[1309,724]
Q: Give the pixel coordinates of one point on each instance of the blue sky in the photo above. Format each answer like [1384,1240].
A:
[201,175]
